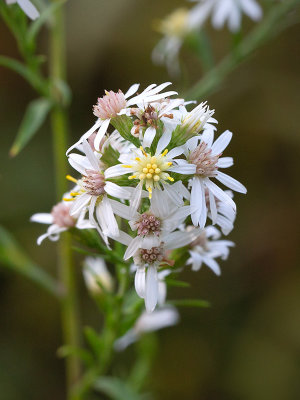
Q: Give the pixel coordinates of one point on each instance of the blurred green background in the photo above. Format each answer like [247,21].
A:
[247,345]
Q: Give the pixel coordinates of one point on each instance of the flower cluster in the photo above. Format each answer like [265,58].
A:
[149,178]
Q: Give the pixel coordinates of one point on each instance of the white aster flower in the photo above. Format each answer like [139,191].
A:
[229,11]
[148,261]
[27,6]
[60,221]
[160,318]
[92,191]
[113,104]
[96,275]
[206,248]
[154,225]
[175,27]
[206,156]
[148,116]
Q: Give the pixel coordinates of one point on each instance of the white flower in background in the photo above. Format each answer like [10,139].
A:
[160,318]
[153,171]
[149,260]
[92,189]
[229,11]
[206,248]
[197,120]
[96,275]
[113,104]
[175,27]
[60,221]
[27,6]
[206,156]
[154,225]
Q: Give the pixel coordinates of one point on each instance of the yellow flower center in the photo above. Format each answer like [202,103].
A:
[151,169]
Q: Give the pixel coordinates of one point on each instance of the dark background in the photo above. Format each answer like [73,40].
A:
[247,345]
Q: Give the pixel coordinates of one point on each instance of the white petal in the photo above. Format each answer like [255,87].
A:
[90,155]
[231,182]
[195,260]
[213,207]
[101,132]
[151,292]
[203,213]
[111,223]
[219,193]
[136,198]
[252,9]
[179,239]
[80,202]
[140,281]
[42,218]
[225,162]
[29,9]
[149,135]
[212,264]
[196,201]
[133,89]
[116,170]
[120,192]
[86,135]
[186,169]
[163,141]
[133,247]
[221,143]
[121,209]
[177,151]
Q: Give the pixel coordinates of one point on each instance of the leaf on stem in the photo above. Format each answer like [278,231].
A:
[13,258]
[190,303]
[116,389]
[34,117]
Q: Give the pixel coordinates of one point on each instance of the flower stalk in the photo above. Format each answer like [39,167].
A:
[69,303]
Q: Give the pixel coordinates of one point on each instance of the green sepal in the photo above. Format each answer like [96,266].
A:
[123,124]
[110,156]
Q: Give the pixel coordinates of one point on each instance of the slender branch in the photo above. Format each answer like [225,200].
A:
[272,24]
[59,131]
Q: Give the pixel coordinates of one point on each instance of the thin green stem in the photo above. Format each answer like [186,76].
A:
[60,135]
[272,24]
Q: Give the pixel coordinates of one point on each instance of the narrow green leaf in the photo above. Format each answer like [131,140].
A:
[176,283]
[116,389]
[34,117]
[190,303]
[13,258]
[84,355]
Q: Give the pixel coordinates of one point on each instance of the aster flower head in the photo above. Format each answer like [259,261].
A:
[92,190]
[114,104]
[206,156]
[59,220]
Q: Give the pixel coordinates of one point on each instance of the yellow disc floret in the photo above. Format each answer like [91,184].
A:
[151,169]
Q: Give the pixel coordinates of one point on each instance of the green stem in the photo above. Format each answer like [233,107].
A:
[272,24]
[60,135]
